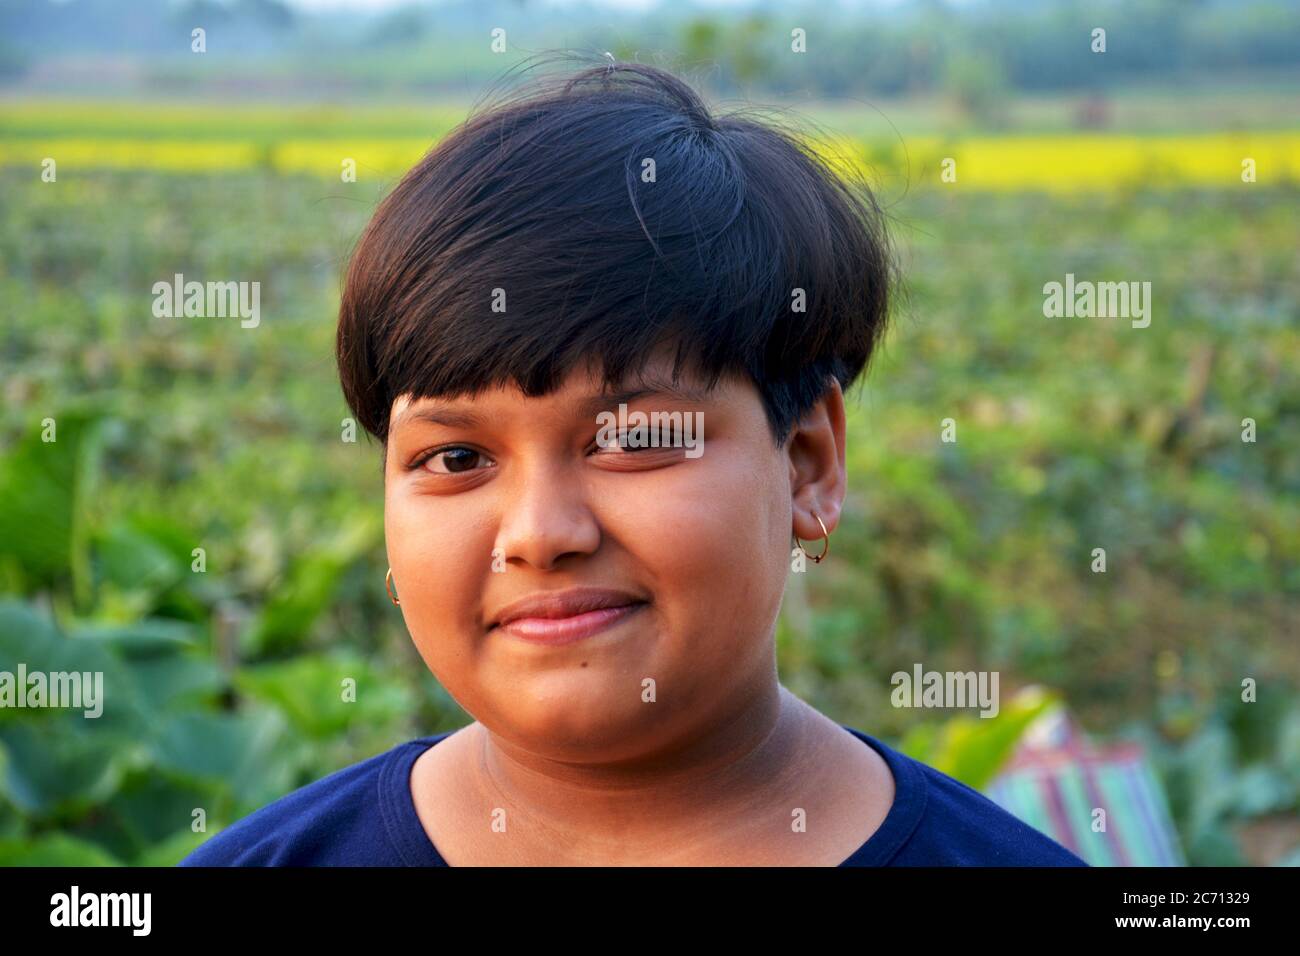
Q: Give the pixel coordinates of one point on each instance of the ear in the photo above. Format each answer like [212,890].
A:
[818,477]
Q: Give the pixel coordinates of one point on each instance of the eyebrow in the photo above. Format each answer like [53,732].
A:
[438,415]
[587,407]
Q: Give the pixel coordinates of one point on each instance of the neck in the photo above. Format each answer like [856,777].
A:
[696,790]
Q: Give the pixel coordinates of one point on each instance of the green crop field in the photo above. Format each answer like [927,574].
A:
[1072,434]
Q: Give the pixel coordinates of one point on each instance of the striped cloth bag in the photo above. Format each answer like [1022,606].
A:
[1057,778]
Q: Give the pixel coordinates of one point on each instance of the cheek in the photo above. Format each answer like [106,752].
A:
[713,554]
[438,568]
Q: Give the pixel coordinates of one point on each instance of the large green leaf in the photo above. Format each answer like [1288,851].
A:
[135,561]
[55,769]
[151,807]
[30,638]
[286,619]
[170,682]
[310,691]
[973,749]
[245,755]
[146,638]
[47,488]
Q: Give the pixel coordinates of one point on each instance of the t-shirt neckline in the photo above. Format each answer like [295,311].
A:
[402,823]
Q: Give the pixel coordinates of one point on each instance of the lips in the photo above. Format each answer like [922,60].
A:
[554,618]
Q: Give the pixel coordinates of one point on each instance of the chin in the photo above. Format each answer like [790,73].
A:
[580,727]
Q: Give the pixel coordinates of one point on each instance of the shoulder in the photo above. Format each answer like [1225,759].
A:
[953,824]
[337,820]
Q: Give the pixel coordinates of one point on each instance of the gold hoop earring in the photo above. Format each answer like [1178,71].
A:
[816,559]
[388,586]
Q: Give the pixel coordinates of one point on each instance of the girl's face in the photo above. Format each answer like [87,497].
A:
[518,500]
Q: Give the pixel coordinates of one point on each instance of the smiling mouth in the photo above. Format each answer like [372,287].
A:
[566,630]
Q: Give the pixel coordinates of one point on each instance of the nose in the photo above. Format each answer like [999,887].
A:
[545,517]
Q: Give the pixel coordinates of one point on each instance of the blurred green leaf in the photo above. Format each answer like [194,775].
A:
[54,850]
[287,617]
[147,638]
[973,749]
[133,560]
[54,770]
[310,691]
[41,484]
[239,754]
[172,850]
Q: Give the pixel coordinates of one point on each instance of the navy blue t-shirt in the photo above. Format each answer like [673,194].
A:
[364,815]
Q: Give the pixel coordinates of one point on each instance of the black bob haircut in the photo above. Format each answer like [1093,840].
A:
[612,214]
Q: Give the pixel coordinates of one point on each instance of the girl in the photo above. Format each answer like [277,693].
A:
[604,606]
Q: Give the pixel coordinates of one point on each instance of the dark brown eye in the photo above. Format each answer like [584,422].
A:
[456,459]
